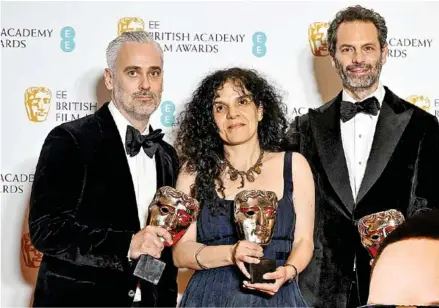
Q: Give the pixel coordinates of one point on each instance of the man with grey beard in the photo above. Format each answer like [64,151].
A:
[93,184]
[370,151]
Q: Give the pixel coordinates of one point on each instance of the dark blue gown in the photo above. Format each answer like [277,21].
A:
[222,286]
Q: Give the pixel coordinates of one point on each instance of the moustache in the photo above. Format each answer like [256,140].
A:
[361,66]
[152,94]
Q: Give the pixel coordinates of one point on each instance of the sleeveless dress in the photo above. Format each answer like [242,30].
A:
[222,286]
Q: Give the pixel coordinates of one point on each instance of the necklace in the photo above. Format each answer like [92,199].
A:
[249,174]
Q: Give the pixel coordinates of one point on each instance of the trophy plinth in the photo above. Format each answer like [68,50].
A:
[255,218]
[149,269]
[257,271]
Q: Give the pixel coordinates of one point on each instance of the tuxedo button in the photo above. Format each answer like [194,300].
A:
[359,136]
[131,293]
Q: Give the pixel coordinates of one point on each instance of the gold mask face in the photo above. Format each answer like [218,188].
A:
[318,40]
[255,215]
[128,24]
[37,103]
[375,227]
[174,211]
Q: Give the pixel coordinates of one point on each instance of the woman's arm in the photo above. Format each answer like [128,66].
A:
[303,246]
[188,253]
[304,205]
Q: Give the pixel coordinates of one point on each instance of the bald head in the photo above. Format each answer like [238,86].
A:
[406,270]
[407,274]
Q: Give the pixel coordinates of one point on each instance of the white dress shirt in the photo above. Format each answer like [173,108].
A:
[143,173]
[357,136]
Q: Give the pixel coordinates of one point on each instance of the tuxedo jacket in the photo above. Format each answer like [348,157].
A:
[83,214]
[401,173]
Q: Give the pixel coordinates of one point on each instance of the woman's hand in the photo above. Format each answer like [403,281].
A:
[281,275]
[248,252]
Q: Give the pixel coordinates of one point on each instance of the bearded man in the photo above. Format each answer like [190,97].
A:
[369,150]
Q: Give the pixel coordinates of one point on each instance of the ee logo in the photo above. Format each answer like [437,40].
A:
[259,49]
[67,39]
[168,109]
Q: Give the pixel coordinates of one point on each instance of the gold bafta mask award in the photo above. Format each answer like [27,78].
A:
[375,227]
[255,218]
[174,211]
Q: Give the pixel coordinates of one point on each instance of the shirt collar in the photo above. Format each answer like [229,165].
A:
[122,122]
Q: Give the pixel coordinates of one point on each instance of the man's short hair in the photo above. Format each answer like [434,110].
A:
[352,14]
[139,36]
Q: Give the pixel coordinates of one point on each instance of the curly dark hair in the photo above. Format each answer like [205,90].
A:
[198,141]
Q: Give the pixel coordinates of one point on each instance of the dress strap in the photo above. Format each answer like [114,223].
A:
[288,174]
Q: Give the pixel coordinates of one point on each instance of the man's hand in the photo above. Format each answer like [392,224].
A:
[149,241]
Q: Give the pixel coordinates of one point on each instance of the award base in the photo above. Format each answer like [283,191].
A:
[256,271]
[149,269]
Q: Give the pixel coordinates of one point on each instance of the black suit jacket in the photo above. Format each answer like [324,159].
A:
[401,174]
[83,214]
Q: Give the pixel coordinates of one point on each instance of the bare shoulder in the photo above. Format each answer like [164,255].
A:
[304,192]
[299,160]
[276,156]
[301,167]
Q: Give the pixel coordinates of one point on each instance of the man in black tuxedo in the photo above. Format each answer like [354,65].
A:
[94,181]
[369,150]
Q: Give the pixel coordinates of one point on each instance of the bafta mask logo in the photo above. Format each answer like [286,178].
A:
[126,24]
[421,101]
[32,257]
[318,38]
[37,103]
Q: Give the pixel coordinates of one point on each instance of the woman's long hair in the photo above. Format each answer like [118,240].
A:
[198,141]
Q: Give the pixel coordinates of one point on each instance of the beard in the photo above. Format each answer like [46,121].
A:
[137,108]
[359,83]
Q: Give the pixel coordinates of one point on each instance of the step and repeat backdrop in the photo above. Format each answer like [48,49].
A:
[53,58]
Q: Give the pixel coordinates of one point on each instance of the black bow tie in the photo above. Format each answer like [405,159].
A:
[348,110]
[134,140]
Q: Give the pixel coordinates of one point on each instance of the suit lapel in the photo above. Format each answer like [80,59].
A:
[325,126]
[115,153]
[392,121]
[164,168]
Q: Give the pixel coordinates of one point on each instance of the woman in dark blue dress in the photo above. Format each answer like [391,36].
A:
[230,140]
